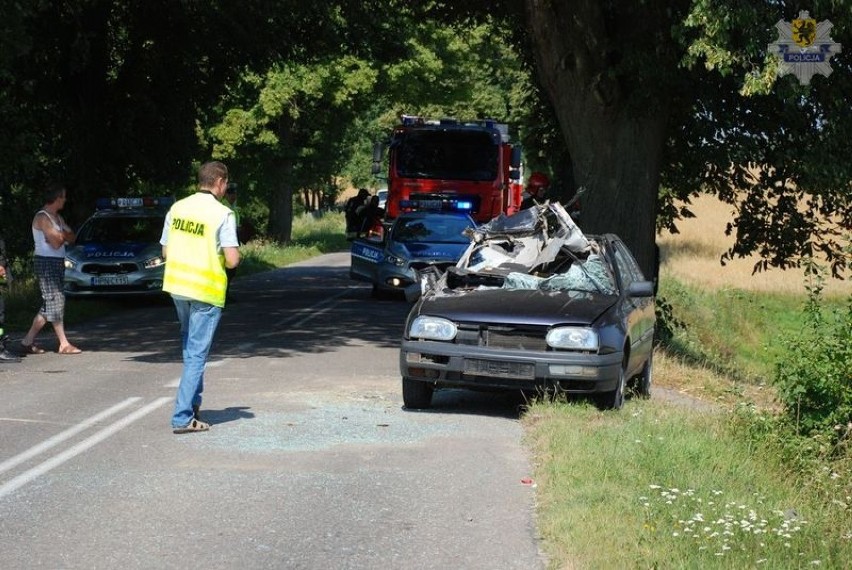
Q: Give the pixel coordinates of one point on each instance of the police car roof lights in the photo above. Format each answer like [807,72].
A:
[436,204]
[134,202]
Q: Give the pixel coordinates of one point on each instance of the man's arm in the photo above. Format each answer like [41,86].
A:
[55,238]
[232,256]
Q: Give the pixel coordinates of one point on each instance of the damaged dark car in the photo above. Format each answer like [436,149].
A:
[532,305]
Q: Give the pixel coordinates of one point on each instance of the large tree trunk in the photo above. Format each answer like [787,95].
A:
[616,144]
[280,223]
[280,226]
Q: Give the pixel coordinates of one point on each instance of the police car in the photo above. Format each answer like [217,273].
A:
[118,250]
[415,241]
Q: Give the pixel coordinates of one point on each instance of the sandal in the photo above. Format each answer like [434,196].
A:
[69,349]
[193,426]
[31,349]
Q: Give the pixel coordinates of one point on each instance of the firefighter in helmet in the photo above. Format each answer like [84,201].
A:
[537,187]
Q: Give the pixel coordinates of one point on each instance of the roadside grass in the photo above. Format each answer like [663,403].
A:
[697,478]
[734,330]
[313,234]
[663,486]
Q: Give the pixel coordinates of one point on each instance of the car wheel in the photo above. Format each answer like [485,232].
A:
[613,400]
[644,380]
[416,395]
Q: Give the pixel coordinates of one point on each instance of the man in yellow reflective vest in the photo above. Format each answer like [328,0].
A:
[199,242]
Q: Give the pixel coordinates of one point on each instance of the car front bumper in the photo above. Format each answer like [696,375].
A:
[391,277]
[447,364]
[140,283]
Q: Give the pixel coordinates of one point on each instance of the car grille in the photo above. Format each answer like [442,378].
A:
[510,338]
[441,266]
[108,268]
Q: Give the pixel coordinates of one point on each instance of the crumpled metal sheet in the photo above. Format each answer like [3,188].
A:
[529,239]
[524,247]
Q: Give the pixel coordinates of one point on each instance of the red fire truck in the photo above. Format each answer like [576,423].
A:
[453,165]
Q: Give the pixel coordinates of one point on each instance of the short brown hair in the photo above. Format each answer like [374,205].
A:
[210,172]
[52,190]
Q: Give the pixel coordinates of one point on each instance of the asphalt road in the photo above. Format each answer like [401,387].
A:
[311,461]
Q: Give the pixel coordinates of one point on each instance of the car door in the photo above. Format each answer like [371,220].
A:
[639,311]
[365,255]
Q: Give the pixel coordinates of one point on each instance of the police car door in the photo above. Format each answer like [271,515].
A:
[365,256]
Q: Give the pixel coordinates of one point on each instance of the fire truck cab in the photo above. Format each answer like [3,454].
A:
[455,165]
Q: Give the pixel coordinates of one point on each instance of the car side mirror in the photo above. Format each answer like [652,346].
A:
[641,289]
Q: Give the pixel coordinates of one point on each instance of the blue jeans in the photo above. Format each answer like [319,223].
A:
[198,322]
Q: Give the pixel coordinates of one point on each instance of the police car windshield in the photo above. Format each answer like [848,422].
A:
[121,229]
[437,229]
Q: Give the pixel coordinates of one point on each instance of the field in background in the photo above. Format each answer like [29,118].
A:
[692,256]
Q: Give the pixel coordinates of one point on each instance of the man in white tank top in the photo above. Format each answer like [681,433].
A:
[50,234]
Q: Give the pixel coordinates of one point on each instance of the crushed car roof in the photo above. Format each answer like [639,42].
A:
[525,240]
[538,248]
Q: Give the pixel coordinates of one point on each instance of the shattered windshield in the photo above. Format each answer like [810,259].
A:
[590,276]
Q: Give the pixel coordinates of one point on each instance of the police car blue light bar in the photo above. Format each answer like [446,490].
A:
[436,204]
[133,202]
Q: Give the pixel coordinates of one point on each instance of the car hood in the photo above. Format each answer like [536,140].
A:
[528,307]
[113,251]
[431,251]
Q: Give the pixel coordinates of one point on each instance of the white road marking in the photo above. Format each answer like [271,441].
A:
[30,475]
[60,437]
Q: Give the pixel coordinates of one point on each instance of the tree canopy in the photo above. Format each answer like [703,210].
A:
[644,103]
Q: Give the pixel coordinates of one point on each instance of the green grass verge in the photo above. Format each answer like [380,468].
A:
[658,486]
[312,235]
[734,331]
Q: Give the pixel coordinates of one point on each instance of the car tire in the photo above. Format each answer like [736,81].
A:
[416,395]
[645,378]
[613,400]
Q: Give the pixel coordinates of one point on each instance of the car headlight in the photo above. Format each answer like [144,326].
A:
[69,264]
[153,262]
[432,328]
[392,259]
[573,338]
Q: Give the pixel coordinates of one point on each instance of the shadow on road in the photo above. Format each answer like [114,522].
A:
[229,414]
[280,313]
[499,404]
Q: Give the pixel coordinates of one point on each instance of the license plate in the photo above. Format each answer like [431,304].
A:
[478,367]
[107,280]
